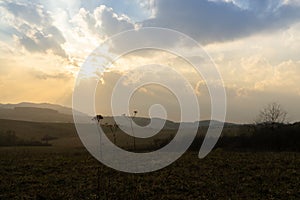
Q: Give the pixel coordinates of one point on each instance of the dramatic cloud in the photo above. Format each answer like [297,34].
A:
[31,26]
[49,39]
[215,21]
[254,43]
[102,21]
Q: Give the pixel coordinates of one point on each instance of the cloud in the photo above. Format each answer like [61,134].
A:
[110,22]
[136,9]
[32,27]
[29,12]
[20,83]
[143,98]
[217,21]
[257,5]
[102,21]
[50,39]
[44,76]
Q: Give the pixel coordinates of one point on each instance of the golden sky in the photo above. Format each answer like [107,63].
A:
[254,44]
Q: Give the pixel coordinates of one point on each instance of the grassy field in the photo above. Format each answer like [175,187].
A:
[71,173]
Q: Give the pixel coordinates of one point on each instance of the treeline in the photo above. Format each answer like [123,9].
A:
[262,137]
[9,138]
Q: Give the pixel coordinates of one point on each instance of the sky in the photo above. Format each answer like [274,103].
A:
[255,45]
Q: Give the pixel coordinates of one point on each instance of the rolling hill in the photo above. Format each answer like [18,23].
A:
[64,132]
[45,112]
[58,108]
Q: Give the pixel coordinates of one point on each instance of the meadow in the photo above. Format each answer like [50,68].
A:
[72,173]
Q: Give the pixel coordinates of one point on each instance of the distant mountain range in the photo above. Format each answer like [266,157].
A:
[45,112]
[42,112]
[58,108]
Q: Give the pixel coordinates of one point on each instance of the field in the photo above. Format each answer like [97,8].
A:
[71,173]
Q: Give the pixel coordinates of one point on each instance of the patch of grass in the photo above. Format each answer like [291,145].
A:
[71,173]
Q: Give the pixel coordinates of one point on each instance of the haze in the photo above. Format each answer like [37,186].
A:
[255,45]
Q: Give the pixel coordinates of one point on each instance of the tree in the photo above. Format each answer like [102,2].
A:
[46,138]
[98,118]
[8,138]
[272,113]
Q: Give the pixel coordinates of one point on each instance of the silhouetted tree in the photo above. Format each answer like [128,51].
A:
[47,138]
[272,113]
[98,118]
[8,138]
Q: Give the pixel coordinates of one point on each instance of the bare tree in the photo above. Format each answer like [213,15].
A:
[272,113]
[98,118]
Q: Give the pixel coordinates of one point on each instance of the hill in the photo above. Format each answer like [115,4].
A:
[34,114]
[58,108]
[64,132]
[45,112]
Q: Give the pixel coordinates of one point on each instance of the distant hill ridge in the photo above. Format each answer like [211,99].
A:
[59,108]
[46,112]
[33,110]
